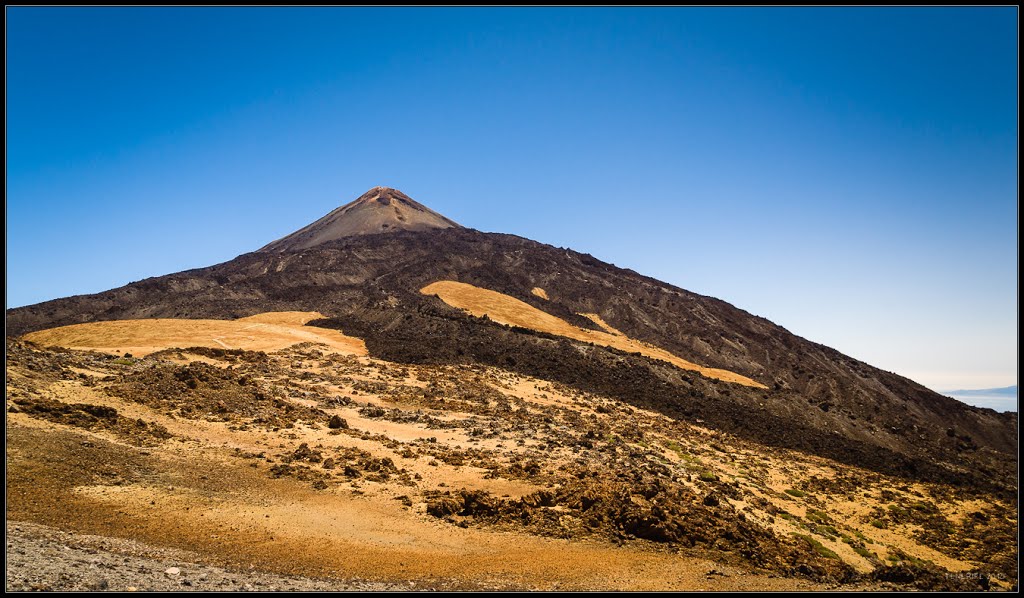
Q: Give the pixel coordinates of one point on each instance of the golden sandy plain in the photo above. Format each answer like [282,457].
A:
[269,331]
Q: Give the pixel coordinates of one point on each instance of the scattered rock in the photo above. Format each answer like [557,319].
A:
[129,566]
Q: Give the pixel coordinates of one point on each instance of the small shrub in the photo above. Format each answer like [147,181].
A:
[817,546]
[826,530]
[864,552]
[818,516]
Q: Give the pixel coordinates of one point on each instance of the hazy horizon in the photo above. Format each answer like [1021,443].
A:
[848,173]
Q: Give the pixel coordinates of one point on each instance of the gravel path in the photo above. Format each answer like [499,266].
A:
[41,558]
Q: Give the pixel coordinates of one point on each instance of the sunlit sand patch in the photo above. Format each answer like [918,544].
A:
[511,311]
[604,325]
[269,331]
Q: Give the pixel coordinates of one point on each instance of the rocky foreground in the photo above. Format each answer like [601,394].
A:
[281,469]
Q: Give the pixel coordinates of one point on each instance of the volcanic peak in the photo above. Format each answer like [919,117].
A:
[379,210]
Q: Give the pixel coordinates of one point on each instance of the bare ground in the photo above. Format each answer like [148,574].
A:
[41,558]
[308,464]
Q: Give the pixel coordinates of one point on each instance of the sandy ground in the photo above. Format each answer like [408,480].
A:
[263,332]
[604,325]
[508,310]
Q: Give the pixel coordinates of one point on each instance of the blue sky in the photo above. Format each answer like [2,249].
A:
[849,173]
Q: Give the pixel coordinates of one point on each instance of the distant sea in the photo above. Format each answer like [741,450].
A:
[1000,399]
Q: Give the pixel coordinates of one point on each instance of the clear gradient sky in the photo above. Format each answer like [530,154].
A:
[848,173]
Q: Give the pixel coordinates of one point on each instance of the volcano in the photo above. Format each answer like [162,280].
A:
[385,278]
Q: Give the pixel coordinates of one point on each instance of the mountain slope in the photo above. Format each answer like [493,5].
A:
[817,400]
